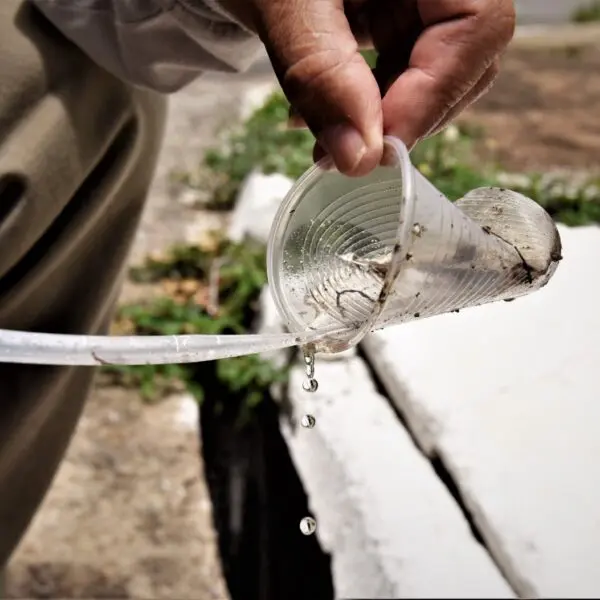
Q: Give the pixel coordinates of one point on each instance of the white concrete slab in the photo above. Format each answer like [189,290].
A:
[257,204]
[509,396]
[390,525]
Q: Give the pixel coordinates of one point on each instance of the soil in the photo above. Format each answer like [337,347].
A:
[544,111]
[128,514]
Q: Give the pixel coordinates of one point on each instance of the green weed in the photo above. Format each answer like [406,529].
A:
[263,142]
[206,290]
[587,13]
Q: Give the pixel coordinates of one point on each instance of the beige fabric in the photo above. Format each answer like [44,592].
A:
[77,153]
[159,44]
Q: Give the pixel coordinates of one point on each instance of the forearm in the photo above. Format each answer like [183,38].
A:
[159,44]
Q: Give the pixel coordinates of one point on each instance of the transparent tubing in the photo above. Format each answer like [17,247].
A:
[56,349]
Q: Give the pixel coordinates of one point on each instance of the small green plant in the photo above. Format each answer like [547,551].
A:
[263,142]
[211,289]
[587,13]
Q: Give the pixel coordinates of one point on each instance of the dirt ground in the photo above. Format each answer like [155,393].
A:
[128,515]
[544,110]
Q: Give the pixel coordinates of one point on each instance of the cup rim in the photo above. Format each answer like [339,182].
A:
[286,209]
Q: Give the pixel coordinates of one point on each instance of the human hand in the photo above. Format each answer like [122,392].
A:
[436,57]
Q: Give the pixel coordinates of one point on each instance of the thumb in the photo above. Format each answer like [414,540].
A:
[323,75]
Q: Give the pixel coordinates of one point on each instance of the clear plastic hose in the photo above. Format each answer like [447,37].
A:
[56,349]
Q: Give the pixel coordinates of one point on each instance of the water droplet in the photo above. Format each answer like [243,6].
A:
[309,362]
[310,385]
[308,421]
[308,526]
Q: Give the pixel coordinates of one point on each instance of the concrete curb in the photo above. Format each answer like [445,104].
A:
[387,520]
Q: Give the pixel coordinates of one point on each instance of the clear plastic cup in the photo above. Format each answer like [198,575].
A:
[349,255]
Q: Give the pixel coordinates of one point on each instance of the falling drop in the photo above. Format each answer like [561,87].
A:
[308,421]
[309,361]
[308,526]
[310,385]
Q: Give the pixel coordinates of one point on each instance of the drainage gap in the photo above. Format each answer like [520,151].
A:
[258,502]
[436,462]
[382,391]
[442,472]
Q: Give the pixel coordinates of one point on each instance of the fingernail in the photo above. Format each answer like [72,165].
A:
[345,146]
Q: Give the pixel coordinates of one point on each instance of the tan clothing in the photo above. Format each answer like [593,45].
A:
[77,153]
[78,148]
[160,44]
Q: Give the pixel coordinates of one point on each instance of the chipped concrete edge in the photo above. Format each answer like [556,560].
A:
[366,558]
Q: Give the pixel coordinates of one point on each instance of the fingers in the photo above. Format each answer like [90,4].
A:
[316,59]
[450,62]
[480,88]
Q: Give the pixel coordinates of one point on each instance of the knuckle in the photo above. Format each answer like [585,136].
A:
[492,22]
[306,71]
[311,72]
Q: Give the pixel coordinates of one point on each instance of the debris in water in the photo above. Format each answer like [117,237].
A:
[308,526]
[308,421]
[418,229]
